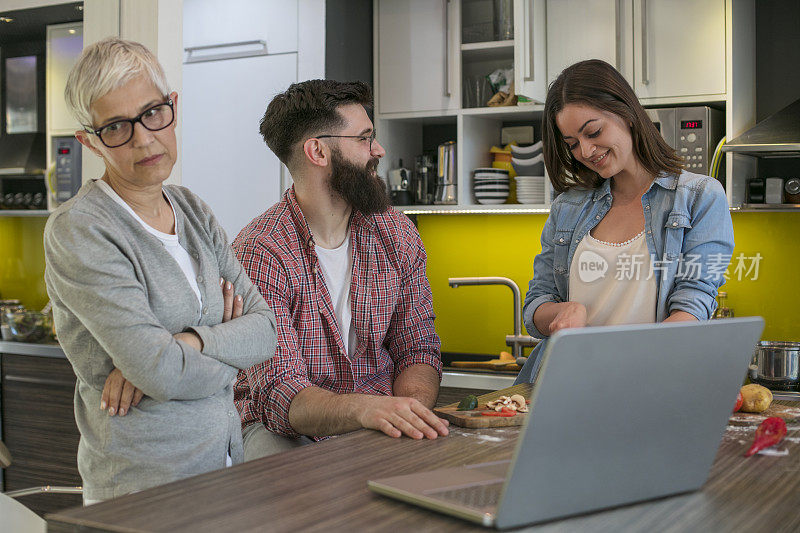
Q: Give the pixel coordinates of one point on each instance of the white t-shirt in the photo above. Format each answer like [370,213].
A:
[614,281]
[187,263]
[337,270]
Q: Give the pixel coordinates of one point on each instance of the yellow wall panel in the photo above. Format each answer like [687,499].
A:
[22,260]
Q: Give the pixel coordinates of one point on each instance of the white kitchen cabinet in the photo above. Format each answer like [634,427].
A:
[679,48]
[530,49]
[588,29]
[225,160]
[212,22]
[416,56]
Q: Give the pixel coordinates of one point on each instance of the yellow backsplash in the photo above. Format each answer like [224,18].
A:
[476,319]
[22,260]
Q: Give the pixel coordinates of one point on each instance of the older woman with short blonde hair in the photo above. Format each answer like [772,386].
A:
[142,281]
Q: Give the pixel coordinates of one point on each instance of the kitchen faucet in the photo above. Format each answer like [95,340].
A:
[517,341]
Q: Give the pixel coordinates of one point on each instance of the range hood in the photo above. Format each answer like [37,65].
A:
[776,136]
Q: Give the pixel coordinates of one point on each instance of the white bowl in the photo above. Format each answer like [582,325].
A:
[526,151]
[495,177]
[490,170]
[491,201]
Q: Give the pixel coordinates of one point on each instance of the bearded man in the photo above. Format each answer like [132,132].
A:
[345,276]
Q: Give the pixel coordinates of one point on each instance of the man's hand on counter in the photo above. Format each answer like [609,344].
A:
[398,415]
[119,394]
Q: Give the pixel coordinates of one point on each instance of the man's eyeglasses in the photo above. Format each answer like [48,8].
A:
[120,132]
[362,138]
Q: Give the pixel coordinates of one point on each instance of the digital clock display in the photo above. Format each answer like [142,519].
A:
[691,124]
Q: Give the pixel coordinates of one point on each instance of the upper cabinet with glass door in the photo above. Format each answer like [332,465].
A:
[417,56]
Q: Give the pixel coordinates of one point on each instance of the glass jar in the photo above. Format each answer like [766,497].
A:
[7,305]
[723,311]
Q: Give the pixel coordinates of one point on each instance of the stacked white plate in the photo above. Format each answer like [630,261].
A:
[490,185]
[530,189]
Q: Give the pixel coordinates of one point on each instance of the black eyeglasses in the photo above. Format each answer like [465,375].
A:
[362,138]
[120,132]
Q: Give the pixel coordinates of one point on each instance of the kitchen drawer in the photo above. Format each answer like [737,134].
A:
[39,428]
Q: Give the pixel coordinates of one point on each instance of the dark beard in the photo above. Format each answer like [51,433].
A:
[365,192]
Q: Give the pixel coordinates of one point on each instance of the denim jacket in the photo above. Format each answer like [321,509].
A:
[689,235]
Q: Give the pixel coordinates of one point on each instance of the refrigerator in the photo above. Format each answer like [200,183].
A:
[230,74]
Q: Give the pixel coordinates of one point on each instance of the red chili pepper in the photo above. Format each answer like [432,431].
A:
[505,411]
[769,433]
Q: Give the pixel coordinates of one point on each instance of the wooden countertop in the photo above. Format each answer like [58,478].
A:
[324,488]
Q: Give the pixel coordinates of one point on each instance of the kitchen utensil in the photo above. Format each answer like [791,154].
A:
[473,418]
[400,185]
[446,180]
[791,191]
[423,183]
[774,191]
[777,364]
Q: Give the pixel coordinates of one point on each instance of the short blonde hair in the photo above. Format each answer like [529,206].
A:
[107,65]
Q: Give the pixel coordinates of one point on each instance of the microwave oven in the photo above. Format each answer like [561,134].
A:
[692,131]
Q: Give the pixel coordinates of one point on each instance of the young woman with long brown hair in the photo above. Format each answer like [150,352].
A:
[632,238]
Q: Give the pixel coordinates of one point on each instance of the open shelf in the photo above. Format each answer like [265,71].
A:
[24,213]
[488,51]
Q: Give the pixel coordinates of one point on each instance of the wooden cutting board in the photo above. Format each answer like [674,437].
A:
[494,364]
[781,411]
[474,419]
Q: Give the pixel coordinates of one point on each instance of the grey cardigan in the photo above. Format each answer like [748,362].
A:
[118,298]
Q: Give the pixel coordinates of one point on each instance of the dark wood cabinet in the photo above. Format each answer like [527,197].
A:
[39,428]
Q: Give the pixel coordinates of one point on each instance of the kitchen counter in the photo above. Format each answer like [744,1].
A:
[455,378]
[28,348]
[324,488]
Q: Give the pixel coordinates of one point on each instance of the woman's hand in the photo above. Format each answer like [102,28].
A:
[119,394]
[232,308]
[232,305]
[571,315]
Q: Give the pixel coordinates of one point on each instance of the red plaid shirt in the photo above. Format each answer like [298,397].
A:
[391,306]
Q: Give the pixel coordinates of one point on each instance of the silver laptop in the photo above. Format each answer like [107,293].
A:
[619,414]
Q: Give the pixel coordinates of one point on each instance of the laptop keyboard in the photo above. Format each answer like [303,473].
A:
[478,496]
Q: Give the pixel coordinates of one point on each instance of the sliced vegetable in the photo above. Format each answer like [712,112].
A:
[505,411]
[470,402]
[769,433]
[739,400]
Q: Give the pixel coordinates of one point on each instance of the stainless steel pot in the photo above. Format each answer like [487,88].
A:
[777,365]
